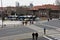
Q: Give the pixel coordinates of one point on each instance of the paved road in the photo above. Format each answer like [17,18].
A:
[15,31]
[43,26]
[55,23]
[21,30]
[40,38]
[53,28]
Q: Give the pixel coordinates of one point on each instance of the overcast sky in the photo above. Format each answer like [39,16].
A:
[26,2]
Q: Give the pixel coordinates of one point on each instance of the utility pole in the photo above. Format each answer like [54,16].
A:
[2,13]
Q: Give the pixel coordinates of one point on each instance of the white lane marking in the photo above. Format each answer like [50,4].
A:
[47,37]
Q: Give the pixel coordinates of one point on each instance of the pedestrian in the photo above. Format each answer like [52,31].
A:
[23,22]
[36,35]
[48,19]
[44,31]
[30,22]
[33,36]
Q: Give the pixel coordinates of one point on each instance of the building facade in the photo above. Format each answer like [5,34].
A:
[48,10]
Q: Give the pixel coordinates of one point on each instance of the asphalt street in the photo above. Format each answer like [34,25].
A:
[53,27]
[55,23]
[15,31]
[39,38]
[20,29]
[43,26]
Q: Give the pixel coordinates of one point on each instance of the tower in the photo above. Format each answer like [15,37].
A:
[57,2]
[31,5]
[17,4]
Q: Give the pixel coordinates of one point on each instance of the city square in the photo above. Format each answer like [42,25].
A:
[29,20]
[24,32]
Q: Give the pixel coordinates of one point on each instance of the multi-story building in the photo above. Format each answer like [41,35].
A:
[40,11]
[46,10]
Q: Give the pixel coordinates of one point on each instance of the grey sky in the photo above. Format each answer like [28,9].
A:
[26,2]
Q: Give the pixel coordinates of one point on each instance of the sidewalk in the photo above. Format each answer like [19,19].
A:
[39,38]
[52,33]
[40,31]
[25,35]
[17,37]
[42,21]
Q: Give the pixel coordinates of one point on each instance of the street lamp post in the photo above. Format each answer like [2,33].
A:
[2,13]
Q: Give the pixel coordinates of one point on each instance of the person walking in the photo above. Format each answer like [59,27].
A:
[23,22]
[33,34]
[36,35]
[44,31]
[30,22]
[48,19]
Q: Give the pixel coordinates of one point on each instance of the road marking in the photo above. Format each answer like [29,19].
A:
[47,37]
[35,28]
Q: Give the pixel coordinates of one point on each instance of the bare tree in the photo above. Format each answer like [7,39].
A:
[21,10]
[57,2]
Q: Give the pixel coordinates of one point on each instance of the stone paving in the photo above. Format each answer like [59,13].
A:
[55,23]
[28,36]
[16,33]
[25,35]
[53,28]
[39,38]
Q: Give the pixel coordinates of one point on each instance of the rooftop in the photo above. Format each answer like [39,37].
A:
[48,6]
